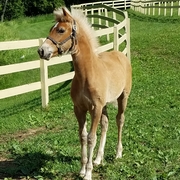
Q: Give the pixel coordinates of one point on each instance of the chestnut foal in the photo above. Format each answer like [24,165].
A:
[99,79]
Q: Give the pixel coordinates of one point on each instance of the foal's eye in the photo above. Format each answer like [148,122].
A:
[61,30]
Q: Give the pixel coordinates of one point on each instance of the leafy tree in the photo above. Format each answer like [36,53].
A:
[4,10]
[17,8]
[12,9]
[37,7]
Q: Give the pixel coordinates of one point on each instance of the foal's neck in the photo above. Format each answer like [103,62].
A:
[84,56]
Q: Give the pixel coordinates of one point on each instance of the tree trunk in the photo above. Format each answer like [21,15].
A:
[4,10]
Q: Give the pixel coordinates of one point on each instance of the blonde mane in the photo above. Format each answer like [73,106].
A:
[82,20]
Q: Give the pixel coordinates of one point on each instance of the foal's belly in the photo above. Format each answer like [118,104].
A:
[114,88]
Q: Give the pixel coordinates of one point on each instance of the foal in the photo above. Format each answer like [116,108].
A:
[99,79]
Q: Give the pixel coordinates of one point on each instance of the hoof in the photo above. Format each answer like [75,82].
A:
[82,174]
[118,156]
[96,163]
[87,178]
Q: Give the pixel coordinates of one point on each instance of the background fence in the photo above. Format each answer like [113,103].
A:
[162,7]
[116,28]
[118,4]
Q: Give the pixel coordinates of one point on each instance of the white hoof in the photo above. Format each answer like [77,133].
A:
[97,162]
[82,173]
[87,178]
[119,155]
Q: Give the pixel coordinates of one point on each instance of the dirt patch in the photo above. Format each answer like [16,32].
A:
[30,132]
[20,136]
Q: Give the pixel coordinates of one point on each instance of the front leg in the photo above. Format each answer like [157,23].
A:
[81,117]
[95,118]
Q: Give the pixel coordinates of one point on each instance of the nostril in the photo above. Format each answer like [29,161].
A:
[40,52]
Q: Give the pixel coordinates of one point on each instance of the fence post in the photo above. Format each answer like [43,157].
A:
[114,17]
[145,10]
[165,4]
[172,8]
[44,80]
[107,24]
[128,37]
[116,45]
[159,11]
[92,19]
[99,13]
[153,8]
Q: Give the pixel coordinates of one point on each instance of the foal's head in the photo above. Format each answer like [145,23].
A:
[62,36]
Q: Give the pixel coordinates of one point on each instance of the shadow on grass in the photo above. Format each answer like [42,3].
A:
[29,105]
[34,165]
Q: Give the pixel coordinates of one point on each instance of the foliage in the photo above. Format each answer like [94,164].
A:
[14,9]
[20,8]
[41,7]
[42,144]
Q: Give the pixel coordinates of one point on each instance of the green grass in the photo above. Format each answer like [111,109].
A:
[41,144]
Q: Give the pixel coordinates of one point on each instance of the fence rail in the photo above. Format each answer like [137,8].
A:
[162,7]
[45,82]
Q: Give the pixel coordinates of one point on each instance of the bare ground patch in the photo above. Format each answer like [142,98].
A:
[20,136]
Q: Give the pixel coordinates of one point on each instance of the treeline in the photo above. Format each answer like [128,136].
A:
[11,9]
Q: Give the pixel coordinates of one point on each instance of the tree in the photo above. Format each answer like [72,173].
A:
[38,7]
[18,8]
[4,10]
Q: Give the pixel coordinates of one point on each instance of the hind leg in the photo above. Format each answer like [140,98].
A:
[104,128]
[122,102]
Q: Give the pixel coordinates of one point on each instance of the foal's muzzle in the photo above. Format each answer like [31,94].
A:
[44,54]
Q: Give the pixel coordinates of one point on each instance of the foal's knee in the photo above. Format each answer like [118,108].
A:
[83,137]
[91,140]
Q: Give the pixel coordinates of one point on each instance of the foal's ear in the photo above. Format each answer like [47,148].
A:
[62,14]
[67,14]
[65,11]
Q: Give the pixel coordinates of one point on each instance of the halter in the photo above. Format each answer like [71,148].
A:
[72,37]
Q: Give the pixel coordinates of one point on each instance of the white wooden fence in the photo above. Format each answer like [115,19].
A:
[154,7]
[118,4]
[45,82]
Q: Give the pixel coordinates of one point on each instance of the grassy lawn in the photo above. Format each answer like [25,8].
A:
[38,143]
